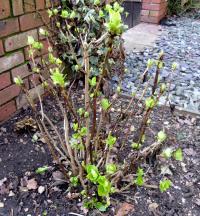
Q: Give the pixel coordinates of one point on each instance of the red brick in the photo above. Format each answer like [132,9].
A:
[1,48]
[9,26]
[19,40]
[29,5]
[144,12]
[149,19]
[147,6]
[7,110]
[5,80]
[154,1]
[17,6]
[4,9]
[154,13]
[40,4]
[33,20]
[159,13]
[10,61]
[22,71]
[9,93]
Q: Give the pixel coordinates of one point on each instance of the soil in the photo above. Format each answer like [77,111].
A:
[21,155]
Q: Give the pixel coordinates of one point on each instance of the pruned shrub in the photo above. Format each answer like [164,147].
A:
[97,129]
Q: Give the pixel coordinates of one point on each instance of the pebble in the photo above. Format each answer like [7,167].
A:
[41,189]
[1,204]
[181,44]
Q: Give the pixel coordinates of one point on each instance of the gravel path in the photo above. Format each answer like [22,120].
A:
[181,44]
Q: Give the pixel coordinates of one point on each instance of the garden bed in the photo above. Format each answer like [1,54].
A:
[23,192]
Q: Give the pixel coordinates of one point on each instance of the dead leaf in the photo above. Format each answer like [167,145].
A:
[153,206]
[31,184]
[72,195]
[165,170]
[58,177]
[4,190]
[125,209]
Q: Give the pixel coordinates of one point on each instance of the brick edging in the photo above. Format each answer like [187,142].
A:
[153,10]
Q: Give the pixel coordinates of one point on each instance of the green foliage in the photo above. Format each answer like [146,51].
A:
[150,63]
[139,180]
[18,81]
[136,146]
[75,126]
[161,137]
[74,181]
[115,22]
[93,81]
[167,153]
[111,168]
[175,7]
[57,77]
[111,140]
[94,203]
[104,186]
[178,154]
[105,104]
[150,103]
[101,206]
[85,35]
[41,170]
[92,173]
[165,185]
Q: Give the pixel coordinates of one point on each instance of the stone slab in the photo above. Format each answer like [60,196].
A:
[141,36]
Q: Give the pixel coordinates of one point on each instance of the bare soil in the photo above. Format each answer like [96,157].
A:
[20,156]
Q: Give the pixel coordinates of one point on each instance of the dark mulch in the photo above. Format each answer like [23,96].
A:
[20,157]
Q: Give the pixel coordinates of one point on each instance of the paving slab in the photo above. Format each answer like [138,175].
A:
[141,36]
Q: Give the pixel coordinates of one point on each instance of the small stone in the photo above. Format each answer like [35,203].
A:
[26,209]
[5,141]
[1,204]
[32,184]
[11,194]
[41,189]
[197,202]
[3,129]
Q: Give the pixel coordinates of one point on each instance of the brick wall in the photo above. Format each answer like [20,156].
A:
[153,10]
[18,19]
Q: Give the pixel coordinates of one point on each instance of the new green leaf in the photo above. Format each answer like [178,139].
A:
[165,185]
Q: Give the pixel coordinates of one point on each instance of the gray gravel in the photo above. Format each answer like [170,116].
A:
[181,44]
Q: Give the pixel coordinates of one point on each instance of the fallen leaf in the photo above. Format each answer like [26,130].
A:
[58,177]
[165,170]
[125,209]
[31,184]
[153,206]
